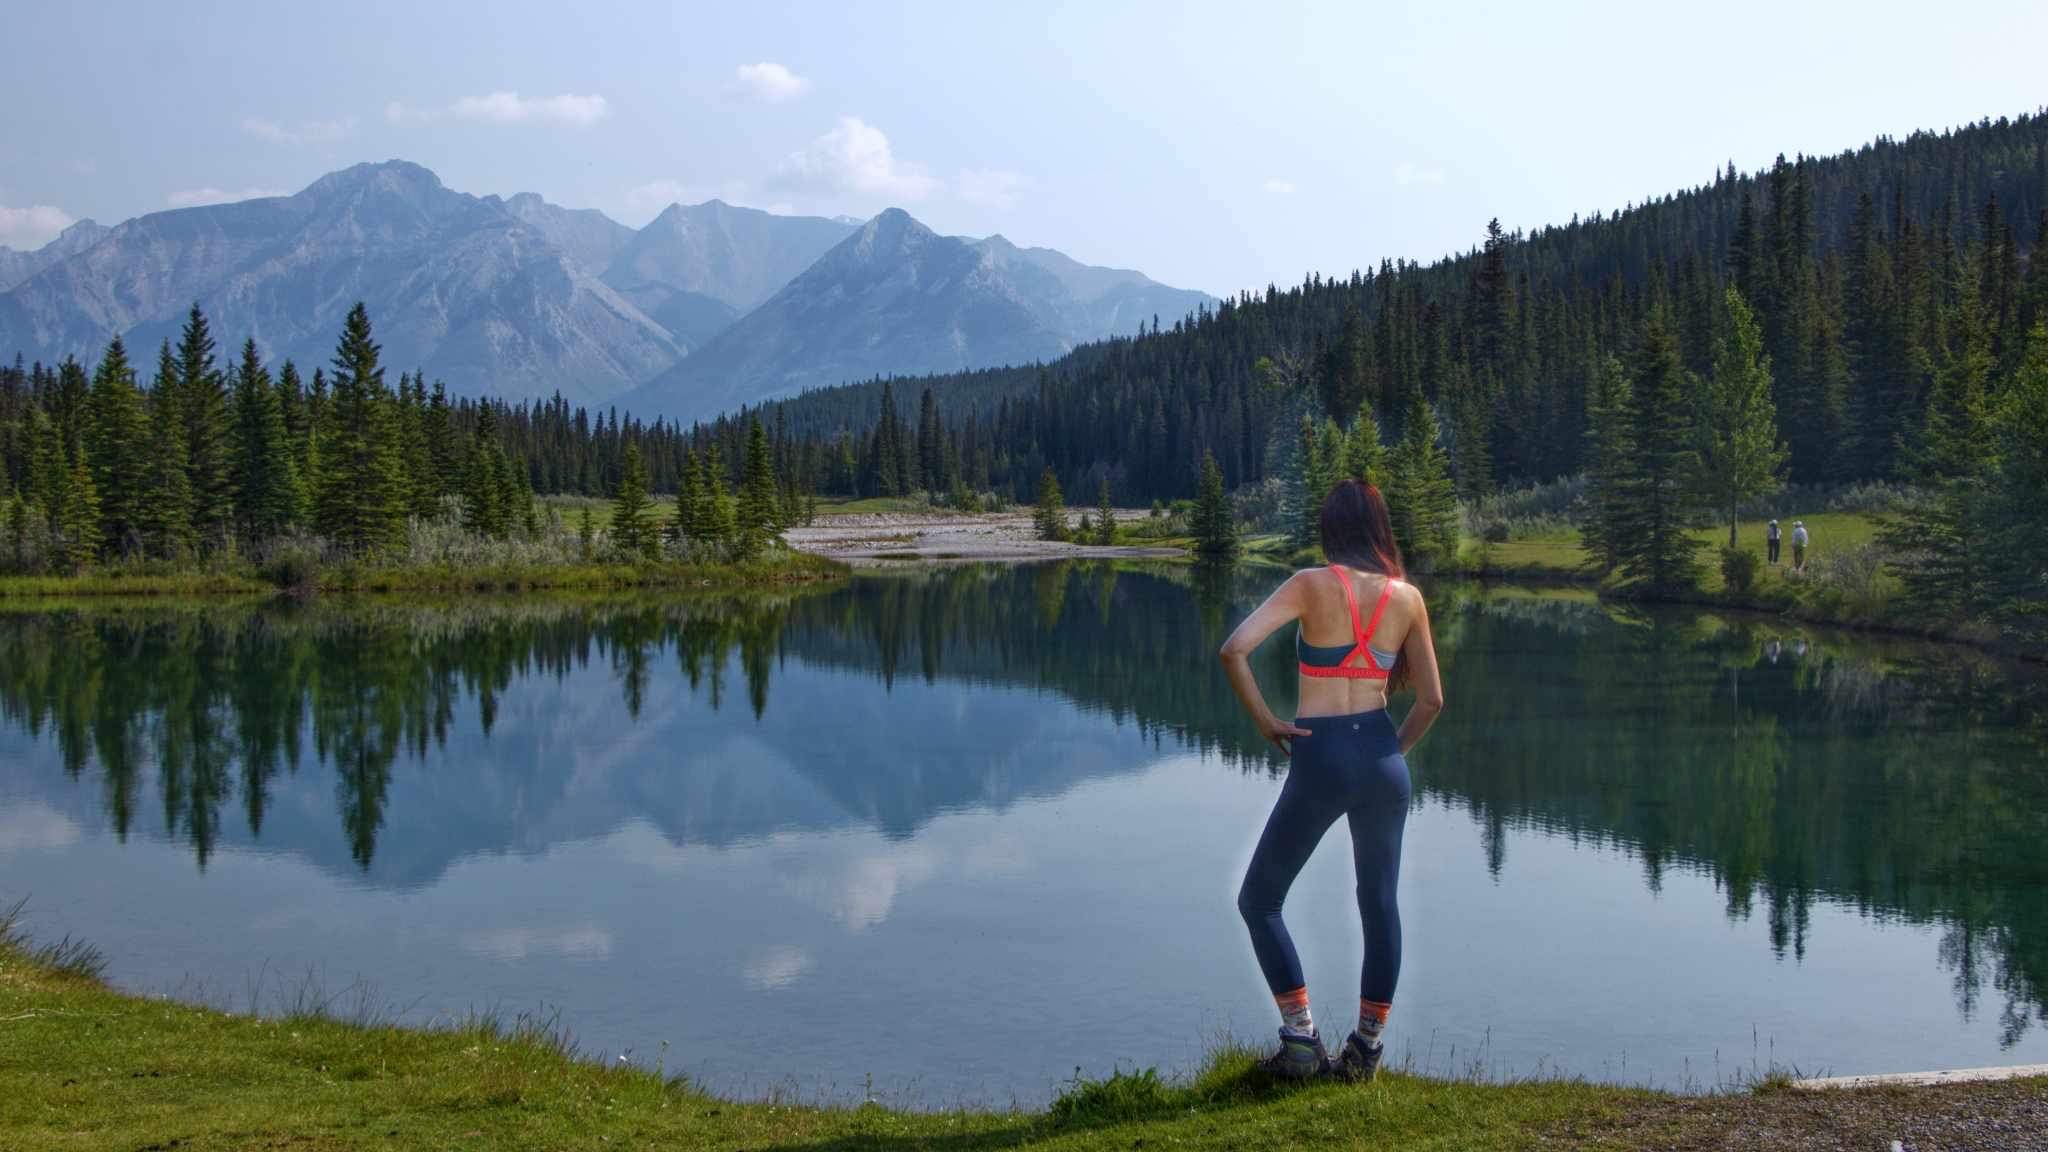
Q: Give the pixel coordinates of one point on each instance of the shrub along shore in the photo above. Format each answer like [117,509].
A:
[86,1066]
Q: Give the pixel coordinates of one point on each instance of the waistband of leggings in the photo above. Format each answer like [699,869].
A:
[1376,715]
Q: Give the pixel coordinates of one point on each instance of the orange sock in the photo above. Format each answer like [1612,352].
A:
[1372,1017]
[1294,1011]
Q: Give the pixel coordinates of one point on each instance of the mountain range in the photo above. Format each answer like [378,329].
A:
[706,308]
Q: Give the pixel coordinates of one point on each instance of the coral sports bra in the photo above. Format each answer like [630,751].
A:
[1335,661]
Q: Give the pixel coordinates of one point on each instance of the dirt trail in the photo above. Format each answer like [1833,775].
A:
[889,537]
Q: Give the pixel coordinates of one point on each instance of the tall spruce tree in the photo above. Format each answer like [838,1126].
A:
[758,506]
[78,523]
[2017,547]
[1215,525]
[1105,515]
[119,447]
[266,475]
[483,510]
[1739,450]
[1365,458]
[1609,456]
[1421,497]
[1651,542]
[633,534]
[362,497]
[167,516]
[687,525]
[202,399]
[1049,515]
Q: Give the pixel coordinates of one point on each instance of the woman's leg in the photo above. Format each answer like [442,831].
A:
[1377,822]
[1305,810]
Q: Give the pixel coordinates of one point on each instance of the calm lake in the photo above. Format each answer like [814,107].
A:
[947,836]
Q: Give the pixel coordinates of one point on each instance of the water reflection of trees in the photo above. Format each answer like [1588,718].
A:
[1903,781]
[218,702]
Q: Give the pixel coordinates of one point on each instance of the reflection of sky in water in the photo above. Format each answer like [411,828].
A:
[962,890]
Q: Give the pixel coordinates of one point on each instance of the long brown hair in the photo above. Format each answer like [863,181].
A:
[1358,532]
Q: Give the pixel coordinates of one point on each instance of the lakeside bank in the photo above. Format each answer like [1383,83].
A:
[783,567]
[83,1065]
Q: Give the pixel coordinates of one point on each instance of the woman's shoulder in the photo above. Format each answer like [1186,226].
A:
[1407,593]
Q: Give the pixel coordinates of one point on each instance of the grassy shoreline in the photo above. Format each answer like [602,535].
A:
[782,568]
[83,1065]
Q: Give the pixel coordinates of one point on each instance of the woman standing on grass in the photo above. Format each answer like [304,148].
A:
[1347,759]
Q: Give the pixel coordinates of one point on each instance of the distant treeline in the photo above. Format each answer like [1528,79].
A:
[209,459]
[1870,273]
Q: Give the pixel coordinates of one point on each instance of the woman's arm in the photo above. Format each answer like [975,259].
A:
[1282,606]
[1419,650]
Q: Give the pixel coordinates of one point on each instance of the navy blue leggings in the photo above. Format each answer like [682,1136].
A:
[1349,766]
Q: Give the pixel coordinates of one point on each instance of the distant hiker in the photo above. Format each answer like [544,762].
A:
[1772,649]
[1771,540]
[1347,759]
[1799,545]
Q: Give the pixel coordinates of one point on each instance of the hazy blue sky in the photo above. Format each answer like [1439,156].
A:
[1214,147]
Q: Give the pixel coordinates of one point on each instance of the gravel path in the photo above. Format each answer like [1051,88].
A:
[2003,1116]
[883,537]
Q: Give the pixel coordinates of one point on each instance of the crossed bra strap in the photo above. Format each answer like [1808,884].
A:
[1361,637]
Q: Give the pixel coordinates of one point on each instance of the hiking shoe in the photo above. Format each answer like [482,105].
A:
[1359,1062]
[1300,1057]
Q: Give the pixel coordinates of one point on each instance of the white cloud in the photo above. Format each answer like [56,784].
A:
[32,227]
[307,132]
[518,943]
[778,967]
[1279,187]
[1408,172]
[855,157]
[770,82]
[512,108]
[989,187]
[192,197]
[35,825]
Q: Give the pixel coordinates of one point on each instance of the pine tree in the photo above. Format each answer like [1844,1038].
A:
[483,510]
[1215,525]
[266,477]
[1739,451]
[1105,516]
[1609,456]
[167,517]
[1315,474]
[2016,549]
[756,517]
[586,534]
[1650,537]
[442,451]
[1421,497]
[1050,513]
[78,524]
[633,535]
[422,480]
[202,399]
[720,517]
[362,497]
[119,444]
[1365,458]
[687,526]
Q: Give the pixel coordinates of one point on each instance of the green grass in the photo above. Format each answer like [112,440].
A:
[82,1066]
[134,584]
[777,568]
[783,567]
